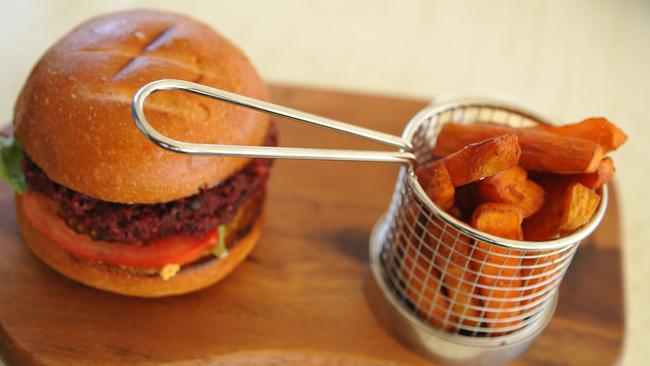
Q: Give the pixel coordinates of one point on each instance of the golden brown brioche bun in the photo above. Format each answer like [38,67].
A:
[190,278]
[73,114]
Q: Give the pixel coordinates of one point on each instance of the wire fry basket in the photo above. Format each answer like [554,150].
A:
[452,291]
[442,287]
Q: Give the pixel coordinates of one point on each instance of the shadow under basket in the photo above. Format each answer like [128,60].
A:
[451,292]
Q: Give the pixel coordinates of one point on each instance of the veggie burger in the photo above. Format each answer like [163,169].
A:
[101,204]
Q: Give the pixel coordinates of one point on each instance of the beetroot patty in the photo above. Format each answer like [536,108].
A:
[192,216]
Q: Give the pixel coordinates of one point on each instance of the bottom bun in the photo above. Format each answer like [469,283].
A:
[191,277]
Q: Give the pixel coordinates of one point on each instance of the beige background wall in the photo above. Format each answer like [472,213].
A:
[568,59]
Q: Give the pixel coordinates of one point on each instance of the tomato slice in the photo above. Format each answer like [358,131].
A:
[174,249]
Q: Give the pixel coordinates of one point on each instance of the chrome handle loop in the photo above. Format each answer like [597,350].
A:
[403,156]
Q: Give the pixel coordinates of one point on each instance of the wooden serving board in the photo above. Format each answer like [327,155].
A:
[299,299]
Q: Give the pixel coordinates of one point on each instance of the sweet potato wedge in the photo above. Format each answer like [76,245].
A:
[502,220]
[497,264]
[452,258]
[503,301]
[483,159]
[599,130]
[580,204]
[439,235]
[568,205]
[469,164]
[465,200]
[542,272]
[595,180]
[540,150]
[457,282]
[498,219]
[545,223]
[424,290]
[437,183]
[512,186]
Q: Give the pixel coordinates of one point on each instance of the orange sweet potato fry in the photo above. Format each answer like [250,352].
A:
[512,186]
[579,206]
[604,174]
[455,212]
[424,290]
[441,235]
[599,130]
[568,205]
[458,283]
[502,303]
[496,264]
[544,264]
[465,200]
[500,219]
[540,150]
[483,159]
[452,258]
[545,223]
[437,183]
[469,164]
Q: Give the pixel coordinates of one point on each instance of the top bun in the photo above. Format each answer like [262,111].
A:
[73,115]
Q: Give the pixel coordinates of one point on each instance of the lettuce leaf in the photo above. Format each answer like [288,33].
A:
[11,153]
[220,249]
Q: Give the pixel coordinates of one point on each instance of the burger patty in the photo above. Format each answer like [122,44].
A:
[195,215]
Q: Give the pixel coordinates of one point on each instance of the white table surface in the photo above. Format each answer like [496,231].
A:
[568,59]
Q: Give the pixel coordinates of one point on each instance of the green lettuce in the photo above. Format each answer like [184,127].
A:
[220,249]
[11,153]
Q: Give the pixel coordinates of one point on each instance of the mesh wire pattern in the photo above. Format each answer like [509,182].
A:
[450,279]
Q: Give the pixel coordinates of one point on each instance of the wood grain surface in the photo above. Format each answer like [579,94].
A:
[298,299]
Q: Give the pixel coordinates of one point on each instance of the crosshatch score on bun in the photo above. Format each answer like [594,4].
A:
[105,206]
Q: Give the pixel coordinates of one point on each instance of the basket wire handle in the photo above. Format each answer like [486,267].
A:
[403,156]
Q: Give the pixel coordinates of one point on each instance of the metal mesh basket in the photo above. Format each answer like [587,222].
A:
[441,277]
[454,280]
